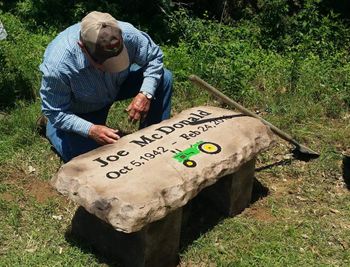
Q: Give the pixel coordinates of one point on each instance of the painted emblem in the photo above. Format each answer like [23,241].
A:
[205,147]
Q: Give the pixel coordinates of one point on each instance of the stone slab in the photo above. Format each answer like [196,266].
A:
[148,174]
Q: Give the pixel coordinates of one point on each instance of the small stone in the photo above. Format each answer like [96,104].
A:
[31,169]
[288,156]
[57,217]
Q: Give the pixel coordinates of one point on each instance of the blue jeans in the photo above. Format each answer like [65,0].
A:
[69,145]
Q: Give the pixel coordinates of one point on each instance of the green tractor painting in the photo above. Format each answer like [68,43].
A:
[205,147]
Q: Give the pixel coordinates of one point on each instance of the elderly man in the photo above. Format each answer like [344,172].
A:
[86,68]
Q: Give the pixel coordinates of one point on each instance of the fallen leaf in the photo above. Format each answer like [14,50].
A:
[301,198]
[30,250]
[334,211]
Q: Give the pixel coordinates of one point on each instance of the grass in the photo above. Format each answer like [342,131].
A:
[301,85]
[303,221]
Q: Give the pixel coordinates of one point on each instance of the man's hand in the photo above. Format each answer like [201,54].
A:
[138,108]
[103,135]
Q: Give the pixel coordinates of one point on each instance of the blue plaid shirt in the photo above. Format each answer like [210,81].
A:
[70,85]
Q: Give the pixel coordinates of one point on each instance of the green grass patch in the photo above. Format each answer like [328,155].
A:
[292,70]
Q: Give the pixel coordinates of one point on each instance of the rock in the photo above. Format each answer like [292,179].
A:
[150,173]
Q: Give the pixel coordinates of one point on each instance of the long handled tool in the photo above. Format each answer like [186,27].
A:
[300,152]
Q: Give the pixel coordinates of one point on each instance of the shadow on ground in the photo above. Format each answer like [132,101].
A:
[85,248]
[204,215]
[199,217]
[282,162]
[346,171]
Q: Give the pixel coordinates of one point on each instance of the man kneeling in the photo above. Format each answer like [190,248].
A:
[89,66]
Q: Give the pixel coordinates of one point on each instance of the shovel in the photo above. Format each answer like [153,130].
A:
[300,152]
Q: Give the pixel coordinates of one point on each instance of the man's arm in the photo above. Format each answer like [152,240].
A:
[56,99]
[149,56]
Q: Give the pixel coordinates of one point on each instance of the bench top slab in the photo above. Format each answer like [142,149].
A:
[146,175]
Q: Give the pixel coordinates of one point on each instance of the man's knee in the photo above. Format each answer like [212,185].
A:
[164,89]
[57,139]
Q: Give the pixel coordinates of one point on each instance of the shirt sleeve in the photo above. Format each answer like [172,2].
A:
[56,99]
[149,56]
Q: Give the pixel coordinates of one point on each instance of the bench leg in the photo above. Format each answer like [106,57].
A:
[232,193]
[156,245]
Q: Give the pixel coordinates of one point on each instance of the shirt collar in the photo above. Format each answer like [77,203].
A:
[82,61]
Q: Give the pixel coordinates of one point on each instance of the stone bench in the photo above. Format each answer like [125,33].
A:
[132,193]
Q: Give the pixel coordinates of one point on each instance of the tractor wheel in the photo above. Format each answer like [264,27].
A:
[209,148]
[190,163]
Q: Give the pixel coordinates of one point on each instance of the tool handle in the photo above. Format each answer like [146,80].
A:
[199,82]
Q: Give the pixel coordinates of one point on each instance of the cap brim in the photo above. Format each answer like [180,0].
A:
[118,63]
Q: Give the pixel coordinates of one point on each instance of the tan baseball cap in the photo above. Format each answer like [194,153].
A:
[102,38]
